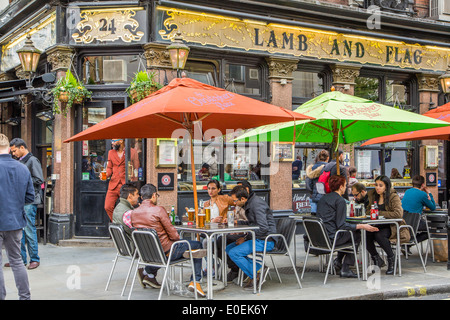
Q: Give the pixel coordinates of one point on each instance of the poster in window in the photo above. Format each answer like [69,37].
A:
[282,151]
[431,157]
[166,155]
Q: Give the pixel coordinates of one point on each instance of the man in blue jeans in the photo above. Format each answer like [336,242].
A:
[258,214]
[29,240]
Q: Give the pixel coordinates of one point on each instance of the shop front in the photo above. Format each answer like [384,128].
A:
[283,57]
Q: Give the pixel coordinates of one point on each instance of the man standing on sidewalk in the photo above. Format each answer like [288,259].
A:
[29,240]
[16,189]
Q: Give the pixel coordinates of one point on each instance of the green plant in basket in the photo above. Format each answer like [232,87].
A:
[142,85]
[68,91]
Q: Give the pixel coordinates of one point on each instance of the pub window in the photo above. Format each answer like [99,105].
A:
[243,79]
[110,69]
[367,88]
[306,84]
[205,72]
[305,155]
[226,162]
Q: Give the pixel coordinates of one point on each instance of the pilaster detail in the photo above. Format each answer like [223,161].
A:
[345,74]
[428,82]
[157,56]
[60,57]
[281,68]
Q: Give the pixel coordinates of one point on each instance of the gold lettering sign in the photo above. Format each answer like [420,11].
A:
[108,25]
[250,35]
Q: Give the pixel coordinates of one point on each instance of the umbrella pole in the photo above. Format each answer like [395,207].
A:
[194,182]
[335,145]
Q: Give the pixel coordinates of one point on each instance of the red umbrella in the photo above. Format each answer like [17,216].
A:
[185,103]
[442,133]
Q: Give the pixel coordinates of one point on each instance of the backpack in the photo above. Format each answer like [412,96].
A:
[322,185]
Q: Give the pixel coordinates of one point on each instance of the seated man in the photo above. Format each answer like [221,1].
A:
[360,194]
[258,214]
[150,215]
[414,200]
[129,196]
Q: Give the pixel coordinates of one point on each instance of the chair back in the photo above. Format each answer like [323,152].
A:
[120,242]
[412,219]
[149,246]
[285,227]
[317,233]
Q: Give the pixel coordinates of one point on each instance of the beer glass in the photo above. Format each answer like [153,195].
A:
[201,220]
[207,214]
[191,215]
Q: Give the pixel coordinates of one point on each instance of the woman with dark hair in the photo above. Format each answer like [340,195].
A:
[332,209]
[218,201]
[389,206]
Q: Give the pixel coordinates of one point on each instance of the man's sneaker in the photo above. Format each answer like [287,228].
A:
[141,277]
[151,282]
[199,289]
[198,253]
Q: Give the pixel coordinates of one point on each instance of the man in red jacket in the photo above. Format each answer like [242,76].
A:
[150,215]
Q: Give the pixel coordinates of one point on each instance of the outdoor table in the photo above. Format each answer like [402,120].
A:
[364,253]
[211,230]
[363,238]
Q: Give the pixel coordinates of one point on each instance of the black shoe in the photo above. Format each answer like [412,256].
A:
[348,274]
[390,269]
[337,265]
[378,261]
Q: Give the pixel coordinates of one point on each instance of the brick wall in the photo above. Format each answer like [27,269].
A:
[422,8]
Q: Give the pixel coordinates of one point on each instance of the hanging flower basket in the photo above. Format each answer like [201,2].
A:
[142,86]
[68,91]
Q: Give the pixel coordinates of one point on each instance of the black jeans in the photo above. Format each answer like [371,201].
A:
[382,238]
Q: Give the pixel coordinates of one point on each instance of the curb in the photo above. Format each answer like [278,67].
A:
[403,293]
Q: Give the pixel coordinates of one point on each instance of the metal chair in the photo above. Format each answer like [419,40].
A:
[285,229]
[151,253]
[412,224]
[320,240]
[124,250]
[437,230]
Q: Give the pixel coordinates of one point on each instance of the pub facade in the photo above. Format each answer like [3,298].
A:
[281,52]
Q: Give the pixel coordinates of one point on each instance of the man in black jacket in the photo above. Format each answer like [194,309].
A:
[29,240]
[258,214]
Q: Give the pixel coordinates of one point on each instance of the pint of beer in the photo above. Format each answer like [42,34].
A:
[201,220]
[103,175]
[191,215]
[208,214]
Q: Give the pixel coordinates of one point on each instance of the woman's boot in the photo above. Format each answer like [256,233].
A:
[378,261]
[390,269]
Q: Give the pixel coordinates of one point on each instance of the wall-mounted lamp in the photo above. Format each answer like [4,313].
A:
[445,82]
[12,121]
[178,52]
[45,115]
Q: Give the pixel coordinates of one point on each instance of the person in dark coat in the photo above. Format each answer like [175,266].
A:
[29,240]
[16,189]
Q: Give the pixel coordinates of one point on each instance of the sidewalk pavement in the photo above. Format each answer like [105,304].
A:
[81,273]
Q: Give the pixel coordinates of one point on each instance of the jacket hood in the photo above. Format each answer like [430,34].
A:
[314,173]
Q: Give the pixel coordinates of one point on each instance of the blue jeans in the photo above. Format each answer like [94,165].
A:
[313,206]
[239,253]
[177,253]
[29,235]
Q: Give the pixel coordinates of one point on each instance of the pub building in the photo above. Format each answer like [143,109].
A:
[281,52]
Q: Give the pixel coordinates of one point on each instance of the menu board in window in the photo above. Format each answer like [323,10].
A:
[282,151]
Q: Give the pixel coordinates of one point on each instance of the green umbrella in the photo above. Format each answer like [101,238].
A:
[342,118]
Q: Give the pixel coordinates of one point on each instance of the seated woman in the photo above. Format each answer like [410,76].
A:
[218,201]
[332,209]
[389,206]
